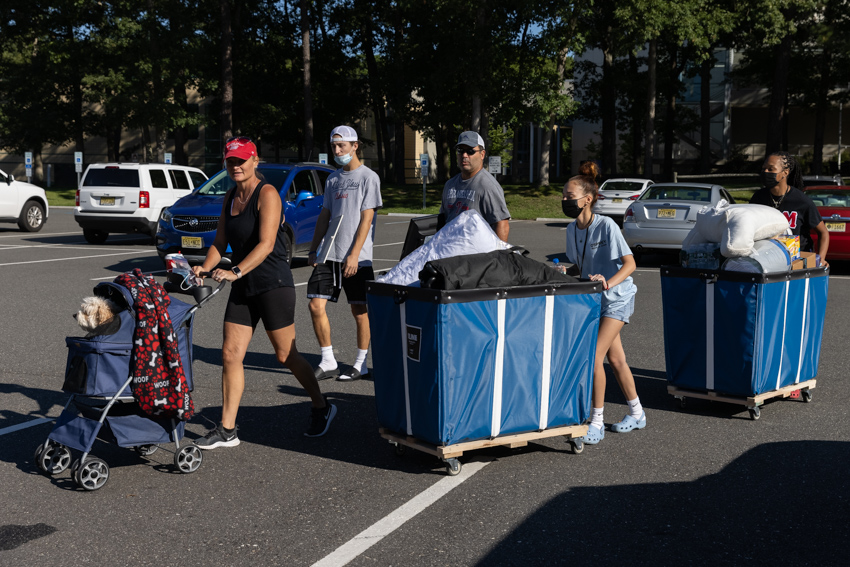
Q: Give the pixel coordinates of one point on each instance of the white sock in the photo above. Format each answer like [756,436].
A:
[635,409]
[596,420]
[360,363]
[328,360]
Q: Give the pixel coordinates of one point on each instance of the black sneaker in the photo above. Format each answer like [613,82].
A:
[320,419]
[218,437]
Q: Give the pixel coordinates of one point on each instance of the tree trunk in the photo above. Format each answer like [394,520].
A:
[670,119]
[649,134]
[398,158]
[822,108]
[608,106]
[307,148]
[515,176]
[226,126]
[637,118]
[181,132]
[378,108]
[705,115]
[443,157]
[37,166]
[779,90]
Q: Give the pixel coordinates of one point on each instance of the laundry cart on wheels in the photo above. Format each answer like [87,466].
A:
[467,369]
[742,338]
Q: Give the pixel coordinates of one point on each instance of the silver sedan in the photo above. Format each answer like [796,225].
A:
[666,213]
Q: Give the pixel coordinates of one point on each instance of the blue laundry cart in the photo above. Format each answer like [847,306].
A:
[467,369]
[742,338]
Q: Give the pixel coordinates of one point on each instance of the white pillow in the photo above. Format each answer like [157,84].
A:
[736,227]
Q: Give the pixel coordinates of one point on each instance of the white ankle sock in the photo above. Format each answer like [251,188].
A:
[596,420]
[328,360]
[360,363]
[635,409]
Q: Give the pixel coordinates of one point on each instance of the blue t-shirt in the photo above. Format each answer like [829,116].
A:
[597,250]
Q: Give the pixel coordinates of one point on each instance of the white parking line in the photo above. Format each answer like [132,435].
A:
[62,246]
[39,235]
[350,550]
[74,258]
[390,244]
[26,424]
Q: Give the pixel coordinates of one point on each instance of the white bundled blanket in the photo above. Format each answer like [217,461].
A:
[736,227]
[467,233]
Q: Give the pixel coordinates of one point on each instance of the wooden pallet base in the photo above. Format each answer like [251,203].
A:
[749,401]
[458,449]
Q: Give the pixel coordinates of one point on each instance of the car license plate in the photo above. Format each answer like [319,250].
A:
[192,241]
[107,201]
[616,200]
[666,214]
[836,226]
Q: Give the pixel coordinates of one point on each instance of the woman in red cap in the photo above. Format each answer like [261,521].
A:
[251,222]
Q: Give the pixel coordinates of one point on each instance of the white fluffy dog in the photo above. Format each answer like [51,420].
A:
[97,316]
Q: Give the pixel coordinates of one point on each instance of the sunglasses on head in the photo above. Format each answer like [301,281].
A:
[240,139]
[469,151]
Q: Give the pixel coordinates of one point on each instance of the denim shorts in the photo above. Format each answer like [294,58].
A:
[620,310]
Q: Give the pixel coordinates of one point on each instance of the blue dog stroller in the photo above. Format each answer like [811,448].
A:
[101,405]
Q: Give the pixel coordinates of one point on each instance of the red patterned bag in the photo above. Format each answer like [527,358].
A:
[159,384]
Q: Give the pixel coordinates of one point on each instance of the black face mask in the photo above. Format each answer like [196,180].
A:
[769,178]
[571,208]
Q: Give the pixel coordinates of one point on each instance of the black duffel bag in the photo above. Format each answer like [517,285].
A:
[502,268]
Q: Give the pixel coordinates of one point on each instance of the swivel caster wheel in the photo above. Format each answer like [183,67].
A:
[683,404]
[453,467]
[755,413]
[577,446]
[92,474]
[188,459]
[399,449]
[807,395]
[52,458]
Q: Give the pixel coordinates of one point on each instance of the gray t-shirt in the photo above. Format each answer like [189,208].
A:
[599,249]
[347,193]
[481,192]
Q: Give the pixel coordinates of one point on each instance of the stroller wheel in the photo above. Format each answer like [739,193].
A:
[52,458]
[146,450]
[92,474]
[188,459]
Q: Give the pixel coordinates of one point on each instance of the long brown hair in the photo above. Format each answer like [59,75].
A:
[586,179]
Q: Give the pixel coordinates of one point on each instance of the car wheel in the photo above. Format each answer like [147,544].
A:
[93,236]
[32,217]
[287,242]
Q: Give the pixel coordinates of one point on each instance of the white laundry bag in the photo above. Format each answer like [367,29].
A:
[736,227]
[467,233]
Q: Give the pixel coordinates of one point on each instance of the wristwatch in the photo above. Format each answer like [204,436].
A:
[237,271]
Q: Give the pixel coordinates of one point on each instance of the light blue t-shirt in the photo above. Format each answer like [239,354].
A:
[597,250]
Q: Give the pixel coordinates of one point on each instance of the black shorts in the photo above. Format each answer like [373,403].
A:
[275,307]
[326,282]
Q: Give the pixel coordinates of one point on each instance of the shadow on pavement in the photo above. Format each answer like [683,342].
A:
[777,504]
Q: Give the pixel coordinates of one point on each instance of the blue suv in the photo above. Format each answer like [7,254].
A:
[189,225]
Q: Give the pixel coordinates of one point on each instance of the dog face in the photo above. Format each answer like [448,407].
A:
[94,312]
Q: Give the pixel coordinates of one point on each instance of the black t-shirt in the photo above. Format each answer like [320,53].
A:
[798,208]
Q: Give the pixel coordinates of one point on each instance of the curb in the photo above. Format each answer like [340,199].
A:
[564,219]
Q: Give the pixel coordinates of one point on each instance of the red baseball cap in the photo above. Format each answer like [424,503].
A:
[241,147]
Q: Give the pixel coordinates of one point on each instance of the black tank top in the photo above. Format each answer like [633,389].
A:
[243,235]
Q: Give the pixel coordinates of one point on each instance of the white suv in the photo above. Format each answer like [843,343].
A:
[129,197]
[23,203]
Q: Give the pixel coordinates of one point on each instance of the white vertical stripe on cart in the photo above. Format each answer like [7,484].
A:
[548,316]
[782,342]
[496,422]
[803,335]
[403,319]
[709,335]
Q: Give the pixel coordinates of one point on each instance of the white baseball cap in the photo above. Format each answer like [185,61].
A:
[345,133]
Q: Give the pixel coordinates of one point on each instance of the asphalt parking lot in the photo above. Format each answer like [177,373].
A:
[698,486]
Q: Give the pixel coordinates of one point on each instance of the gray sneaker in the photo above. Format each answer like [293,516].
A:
[320,419]
[218,437]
